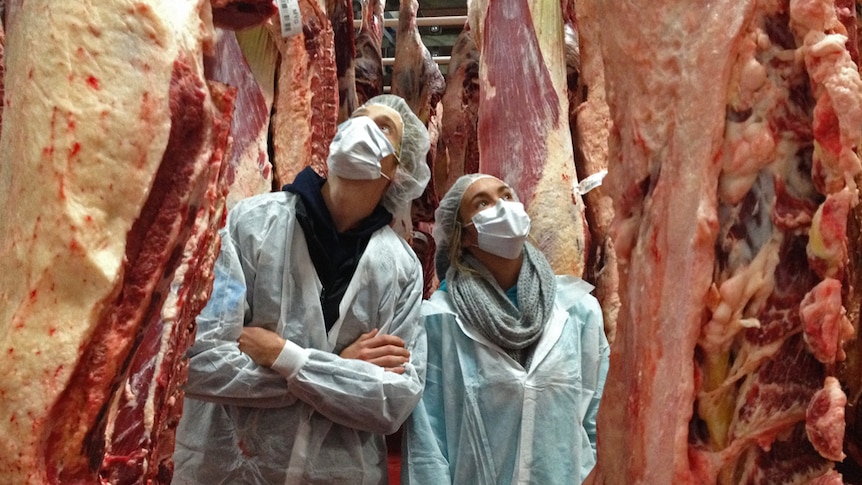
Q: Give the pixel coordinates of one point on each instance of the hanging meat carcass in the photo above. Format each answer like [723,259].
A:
[416,77]
[340,13]
[523,125]
[591,125]
[368,65]
[251,172]
[733,170]
[113,181]
[2,61]
[458,151]
[305,115]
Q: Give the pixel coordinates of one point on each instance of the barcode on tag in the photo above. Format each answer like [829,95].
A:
[291,17]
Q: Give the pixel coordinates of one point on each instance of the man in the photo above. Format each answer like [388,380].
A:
[310,349]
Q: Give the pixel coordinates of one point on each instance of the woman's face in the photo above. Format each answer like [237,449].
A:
[389,121]
[480,195]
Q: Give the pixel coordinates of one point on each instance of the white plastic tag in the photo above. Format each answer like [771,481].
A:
[590,182]
[291,17]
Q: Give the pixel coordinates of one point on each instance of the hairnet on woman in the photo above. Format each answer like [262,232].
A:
[517,356]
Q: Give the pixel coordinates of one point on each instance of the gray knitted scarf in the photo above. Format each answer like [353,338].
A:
[484,306]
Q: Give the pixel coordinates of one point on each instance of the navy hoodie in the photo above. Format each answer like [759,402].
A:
[334,255]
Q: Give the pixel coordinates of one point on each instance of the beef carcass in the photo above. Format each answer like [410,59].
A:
[251,172]
[523,127]
[241,14]
[415,75]
[417,78]
[368,65]
[340,14]
[2,61]
[458,151]
[591,125]
[732,166]
[111,154]
[305,115]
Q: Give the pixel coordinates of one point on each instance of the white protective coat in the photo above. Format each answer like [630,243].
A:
[484,420]
[243,423]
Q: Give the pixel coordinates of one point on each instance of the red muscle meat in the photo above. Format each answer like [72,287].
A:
[732,169]
[523,126]
[415,75]
[305,114]
[591,125]
[340,13]
[112,156]
[458,151]
[250,170]
[2,63]
[368,65]
[239,14]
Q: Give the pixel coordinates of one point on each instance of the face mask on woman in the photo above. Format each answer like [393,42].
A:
[503,228]
[357,149]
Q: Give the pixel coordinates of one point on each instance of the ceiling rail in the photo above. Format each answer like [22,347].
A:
[390,61]
[447,21]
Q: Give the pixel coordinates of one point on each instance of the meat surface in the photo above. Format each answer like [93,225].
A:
[112,156]
[732,167]
[340,13]
[591,126]
[251,168]
[305,114]
[2,61]
[525,139]
[368,65]
[240,14]
[415,75]
[458,150]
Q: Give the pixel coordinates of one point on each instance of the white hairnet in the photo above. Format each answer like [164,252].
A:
[446,221]
[412,174]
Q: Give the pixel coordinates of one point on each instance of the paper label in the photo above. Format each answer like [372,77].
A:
[591,182]
[291,17]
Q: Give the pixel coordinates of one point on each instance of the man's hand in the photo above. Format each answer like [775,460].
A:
[262,345]
[387,351]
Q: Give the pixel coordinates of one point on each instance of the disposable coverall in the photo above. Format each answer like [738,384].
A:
[484,420]
[325,422]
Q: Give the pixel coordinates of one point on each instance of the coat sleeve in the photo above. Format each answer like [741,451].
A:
[595,353]
[361,395]
[424,452]
[218,371]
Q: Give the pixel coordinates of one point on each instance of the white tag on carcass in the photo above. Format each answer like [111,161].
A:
[291,17]
[590,182]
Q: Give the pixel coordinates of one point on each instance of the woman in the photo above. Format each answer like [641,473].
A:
[517,356]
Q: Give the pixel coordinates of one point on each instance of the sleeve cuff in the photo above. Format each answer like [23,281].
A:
[290,360]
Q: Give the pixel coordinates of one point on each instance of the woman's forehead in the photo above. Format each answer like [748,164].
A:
[487,185]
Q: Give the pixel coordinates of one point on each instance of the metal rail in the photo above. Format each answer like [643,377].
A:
[450,21]
[390,61]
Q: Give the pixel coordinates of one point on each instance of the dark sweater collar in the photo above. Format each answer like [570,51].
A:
[307,185]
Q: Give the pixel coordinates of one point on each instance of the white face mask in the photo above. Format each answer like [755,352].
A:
[503,228]
[357,149]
